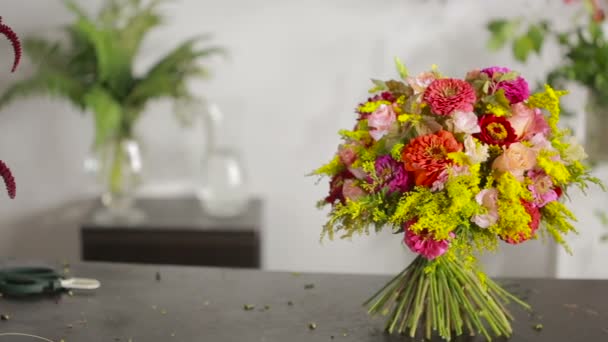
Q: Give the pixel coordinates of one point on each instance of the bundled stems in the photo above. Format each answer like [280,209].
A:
[445,297]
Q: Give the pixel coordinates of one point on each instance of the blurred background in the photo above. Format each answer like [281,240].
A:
[294,72]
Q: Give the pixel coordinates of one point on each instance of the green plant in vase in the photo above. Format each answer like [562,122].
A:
[584,52]
[95,72]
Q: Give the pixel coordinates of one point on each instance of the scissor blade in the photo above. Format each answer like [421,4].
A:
[80,284]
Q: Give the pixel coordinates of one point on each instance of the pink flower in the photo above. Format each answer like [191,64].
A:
[487,198]
[424,244]
[448,95]
[421,82]
[351,190]
[347,155]
[380,121]
[516,159]
[542,188]
[538,126]
[466,122]
[516,90]
[522,118]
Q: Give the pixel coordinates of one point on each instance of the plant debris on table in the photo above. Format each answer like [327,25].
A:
[309,286]
[248,307]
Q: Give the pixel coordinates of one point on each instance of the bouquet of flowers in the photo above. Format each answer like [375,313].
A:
[454,166]
[12,37]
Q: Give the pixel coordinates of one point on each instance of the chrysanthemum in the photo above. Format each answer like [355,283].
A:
[447,95]
[516,90]
[427,156]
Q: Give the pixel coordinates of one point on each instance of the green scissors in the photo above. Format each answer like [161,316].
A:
[26,281]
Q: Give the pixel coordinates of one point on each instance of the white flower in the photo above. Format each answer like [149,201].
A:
[477,152]
[466,122]
[487,198]
[575,151]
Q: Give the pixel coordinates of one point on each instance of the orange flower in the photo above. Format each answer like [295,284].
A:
[427,156]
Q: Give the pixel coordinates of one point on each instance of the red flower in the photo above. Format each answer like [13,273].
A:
[9,181]
[14,39]
[496,130]
[427,156]
[447,95]
[534,213]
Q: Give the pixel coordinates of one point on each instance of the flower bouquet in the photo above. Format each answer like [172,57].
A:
[454,166]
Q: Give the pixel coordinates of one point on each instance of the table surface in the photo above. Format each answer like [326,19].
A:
[204,304]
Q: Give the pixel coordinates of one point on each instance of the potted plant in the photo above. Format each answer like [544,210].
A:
[94,71]
[584,50]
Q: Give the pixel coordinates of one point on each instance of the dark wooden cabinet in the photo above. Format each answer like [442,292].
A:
[176,231]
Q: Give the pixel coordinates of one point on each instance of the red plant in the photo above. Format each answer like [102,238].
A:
[14,39]
[9,180]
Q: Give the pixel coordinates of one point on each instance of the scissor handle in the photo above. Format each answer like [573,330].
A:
[22,281]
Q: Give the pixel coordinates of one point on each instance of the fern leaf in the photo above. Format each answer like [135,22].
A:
[107,111]
[114,65]
[54,83]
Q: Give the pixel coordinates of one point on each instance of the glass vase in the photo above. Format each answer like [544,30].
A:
[223,190]
[596,129]
[117,168]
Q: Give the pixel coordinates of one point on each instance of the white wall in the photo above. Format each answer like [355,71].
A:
[297,70]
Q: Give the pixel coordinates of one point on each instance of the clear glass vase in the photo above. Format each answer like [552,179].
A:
[596,129]
[223,189]
[117,168]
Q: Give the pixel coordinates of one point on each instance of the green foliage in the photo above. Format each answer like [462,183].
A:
[585,50]
[94,70]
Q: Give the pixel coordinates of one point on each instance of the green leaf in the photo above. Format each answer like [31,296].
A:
[401,68]
[75,8]
[168,77]
[108,114]
[114,63]
[501,31]
[52,82]
[536,35]
[378,86]
[522,47]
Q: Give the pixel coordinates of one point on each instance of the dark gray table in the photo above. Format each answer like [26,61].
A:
[203,304]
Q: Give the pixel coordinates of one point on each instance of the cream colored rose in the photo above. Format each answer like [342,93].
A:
[516,159]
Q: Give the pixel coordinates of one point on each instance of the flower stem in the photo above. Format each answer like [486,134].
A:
[446,297]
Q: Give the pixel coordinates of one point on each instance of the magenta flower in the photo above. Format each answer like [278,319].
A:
[392,174]
[424,244]
[516,90]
